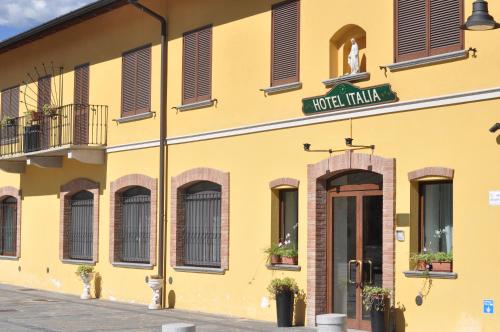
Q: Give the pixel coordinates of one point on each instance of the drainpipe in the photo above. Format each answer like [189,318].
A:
[163,129]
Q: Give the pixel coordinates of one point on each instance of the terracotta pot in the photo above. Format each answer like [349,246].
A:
[421,266]
[289,260]
[275,259]
[442,266]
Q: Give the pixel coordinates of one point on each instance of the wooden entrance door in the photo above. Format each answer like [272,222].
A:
[354,252]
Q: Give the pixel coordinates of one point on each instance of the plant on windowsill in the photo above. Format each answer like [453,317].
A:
[8,121]
[288,252]
[274,253]
[86,273]
[376,300]
[49,110]
[155,282]
[283,290]
[434,261]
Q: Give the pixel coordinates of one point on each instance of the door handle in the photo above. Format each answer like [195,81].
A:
[370,270]
[349,271]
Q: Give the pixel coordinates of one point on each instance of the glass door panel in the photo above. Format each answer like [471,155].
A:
[372,244]
[344,256]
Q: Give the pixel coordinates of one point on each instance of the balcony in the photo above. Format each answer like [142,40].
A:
[43,138]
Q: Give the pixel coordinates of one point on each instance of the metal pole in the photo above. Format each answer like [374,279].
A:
[163,129]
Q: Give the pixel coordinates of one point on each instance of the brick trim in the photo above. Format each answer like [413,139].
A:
[16,193]
[284,182]
[318,174]
[178,184]
[116,188]
[66,192]
[442,172]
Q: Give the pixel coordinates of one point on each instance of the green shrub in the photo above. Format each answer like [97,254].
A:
[277,286]
[375,298]
[274,249]
[433,256]
[84,269]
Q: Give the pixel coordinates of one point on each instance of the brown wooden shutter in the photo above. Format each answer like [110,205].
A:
[197,66]
[411,29]
[82,85]
[10,103]
[285,43]
[136,81]
[446,16]
[44,92]
[427,27]
[143,81]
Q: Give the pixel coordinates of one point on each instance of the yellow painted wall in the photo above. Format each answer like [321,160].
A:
[452,136]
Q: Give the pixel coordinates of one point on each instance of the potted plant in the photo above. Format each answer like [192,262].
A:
[8,121]
[422,261]
[442,262]
[86,273]
[155,282]
[49,110]
[289,256]
[283,290]
[375,300]
[274,252]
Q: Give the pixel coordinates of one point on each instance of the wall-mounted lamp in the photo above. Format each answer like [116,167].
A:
[307,146]
[495,127]
[348,143]
[480,20]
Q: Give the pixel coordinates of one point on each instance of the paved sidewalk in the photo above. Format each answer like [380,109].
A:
[25,309]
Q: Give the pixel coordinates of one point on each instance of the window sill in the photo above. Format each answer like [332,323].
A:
[133,265]
[193,106]
[136,117]
[9,258]
[78,262]
[283,267]
[451,56]
[346,78]
[196,269]
[430,274]
[282,88]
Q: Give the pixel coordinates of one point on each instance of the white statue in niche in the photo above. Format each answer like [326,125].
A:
[353,58]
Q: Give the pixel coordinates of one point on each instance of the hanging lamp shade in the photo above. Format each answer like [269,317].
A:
[480,19]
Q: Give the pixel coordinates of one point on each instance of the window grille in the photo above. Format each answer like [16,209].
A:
[136,215]
[81,237]
[202,236]
[8,226]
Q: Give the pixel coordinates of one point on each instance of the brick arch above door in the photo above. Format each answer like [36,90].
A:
[317,175]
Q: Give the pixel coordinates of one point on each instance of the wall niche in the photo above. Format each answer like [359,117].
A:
[340,47]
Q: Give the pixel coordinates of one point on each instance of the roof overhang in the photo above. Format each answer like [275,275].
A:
[62,22]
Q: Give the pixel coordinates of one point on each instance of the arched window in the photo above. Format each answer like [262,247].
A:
[135,224]
[202,233]
[8,226]
[81,227]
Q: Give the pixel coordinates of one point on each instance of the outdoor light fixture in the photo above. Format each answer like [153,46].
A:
[348,143]
[480,20]
[495,127]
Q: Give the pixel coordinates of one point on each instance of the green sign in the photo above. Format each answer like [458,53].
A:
[345,95]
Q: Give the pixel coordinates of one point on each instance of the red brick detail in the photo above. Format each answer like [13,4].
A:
[317,222]
[16,193]
[178,185]
[442,172]
[66,192]
[284,182]
[116,188]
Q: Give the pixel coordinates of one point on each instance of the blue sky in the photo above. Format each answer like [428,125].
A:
[20,15]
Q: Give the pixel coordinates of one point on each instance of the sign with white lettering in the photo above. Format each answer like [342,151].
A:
[495,198]
[345,95]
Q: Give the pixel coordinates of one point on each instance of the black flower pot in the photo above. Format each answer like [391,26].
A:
[284,308]
[377,316]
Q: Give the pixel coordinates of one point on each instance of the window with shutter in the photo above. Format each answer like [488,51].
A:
[197,66]
[427,27]
[44,92]
[10,102]
[136,81]
[82,85]
[285,43]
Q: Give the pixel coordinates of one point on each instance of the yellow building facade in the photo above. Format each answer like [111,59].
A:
[238,176]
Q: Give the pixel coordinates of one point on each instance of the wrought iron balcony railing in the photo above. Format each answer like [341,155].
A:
[65,126]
